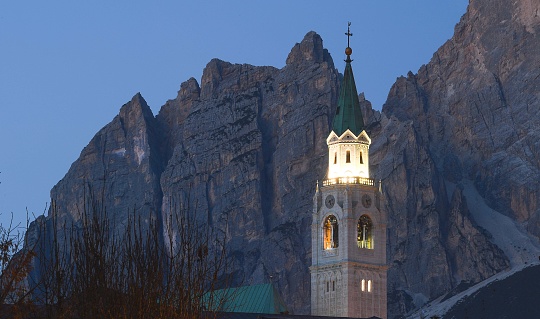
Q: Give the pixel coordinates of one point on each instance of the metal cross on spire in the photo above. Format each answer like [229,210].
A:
[348,50]
[348,34]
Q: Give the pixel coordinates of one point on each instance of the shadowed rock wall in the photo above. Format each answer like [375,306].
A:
[470,113]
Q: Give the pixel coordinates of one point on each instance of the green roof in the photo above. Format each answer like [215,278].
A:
[348,112]
[253,299]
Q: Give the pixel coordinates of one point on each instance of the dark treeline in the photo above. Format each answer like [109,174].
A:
[91,267]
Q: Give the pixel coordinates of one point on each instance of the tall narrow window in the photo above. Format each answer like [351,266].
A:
[348,158]
[369,285]
[333,286]
[335,158]
[361,160]
[331,233]
[363,285]
[327,286]
[365,232]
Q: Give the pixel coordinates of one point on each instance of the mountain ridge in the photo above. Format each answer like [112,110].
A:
[249,143]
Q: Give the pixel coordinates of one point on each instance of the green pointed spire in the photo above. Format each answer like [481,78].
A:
[348,112]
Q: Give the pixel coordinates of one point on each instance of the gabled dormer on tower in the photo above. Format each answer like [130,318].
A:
[348,142]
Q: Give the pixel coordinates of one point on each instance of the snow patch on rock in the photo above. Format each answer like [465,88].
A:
[521,248]
[518,245]
[139,143]
[119,151]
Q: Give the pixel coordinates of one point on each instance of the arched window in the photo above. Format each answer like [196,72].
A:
[365,232]
[361,160]
[348,157]
[363,285]
[331,233]
[369,285]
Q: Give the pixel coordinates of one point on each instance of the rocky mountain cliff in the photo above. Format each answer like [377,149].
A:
[248,143]
[468,115]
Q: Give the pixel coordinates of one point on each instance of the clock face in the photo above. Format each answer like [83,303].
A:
[366,201]
[330,201]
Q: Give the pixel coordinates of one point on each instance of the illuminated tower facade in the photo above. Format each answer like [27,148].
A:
[348,272]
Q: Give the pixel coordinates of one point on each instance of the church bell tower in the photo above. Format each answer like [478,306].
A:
[348,271]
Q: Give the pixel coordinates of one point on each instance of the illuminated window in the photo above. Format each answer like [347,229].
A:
[361,160]
[331,233]
[363,285]
[369,285]
[365,232]
[335,158]
[348,158]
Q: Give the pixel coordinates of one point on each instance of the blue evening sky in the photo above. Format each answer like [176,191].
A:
[66,67]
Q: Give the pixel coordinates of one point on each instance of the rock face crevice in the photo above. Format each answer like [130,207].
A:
[268,147]
[244,149]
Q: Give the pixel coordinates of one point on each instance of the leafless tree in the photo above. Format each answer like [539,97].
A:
[158,267]
[15,265]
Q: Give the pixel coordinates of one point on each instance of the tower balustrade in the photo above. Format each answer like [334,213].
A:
[349,180]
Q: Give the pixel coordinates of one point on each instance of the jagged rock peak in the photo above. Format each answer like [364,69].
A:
[175,111]
[214,70]
[189,89]
[213,73]
[362,96]
[310,49]
[137,106]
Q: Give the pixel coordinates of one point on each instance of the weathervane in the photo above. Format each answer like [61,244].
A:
[348,50]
